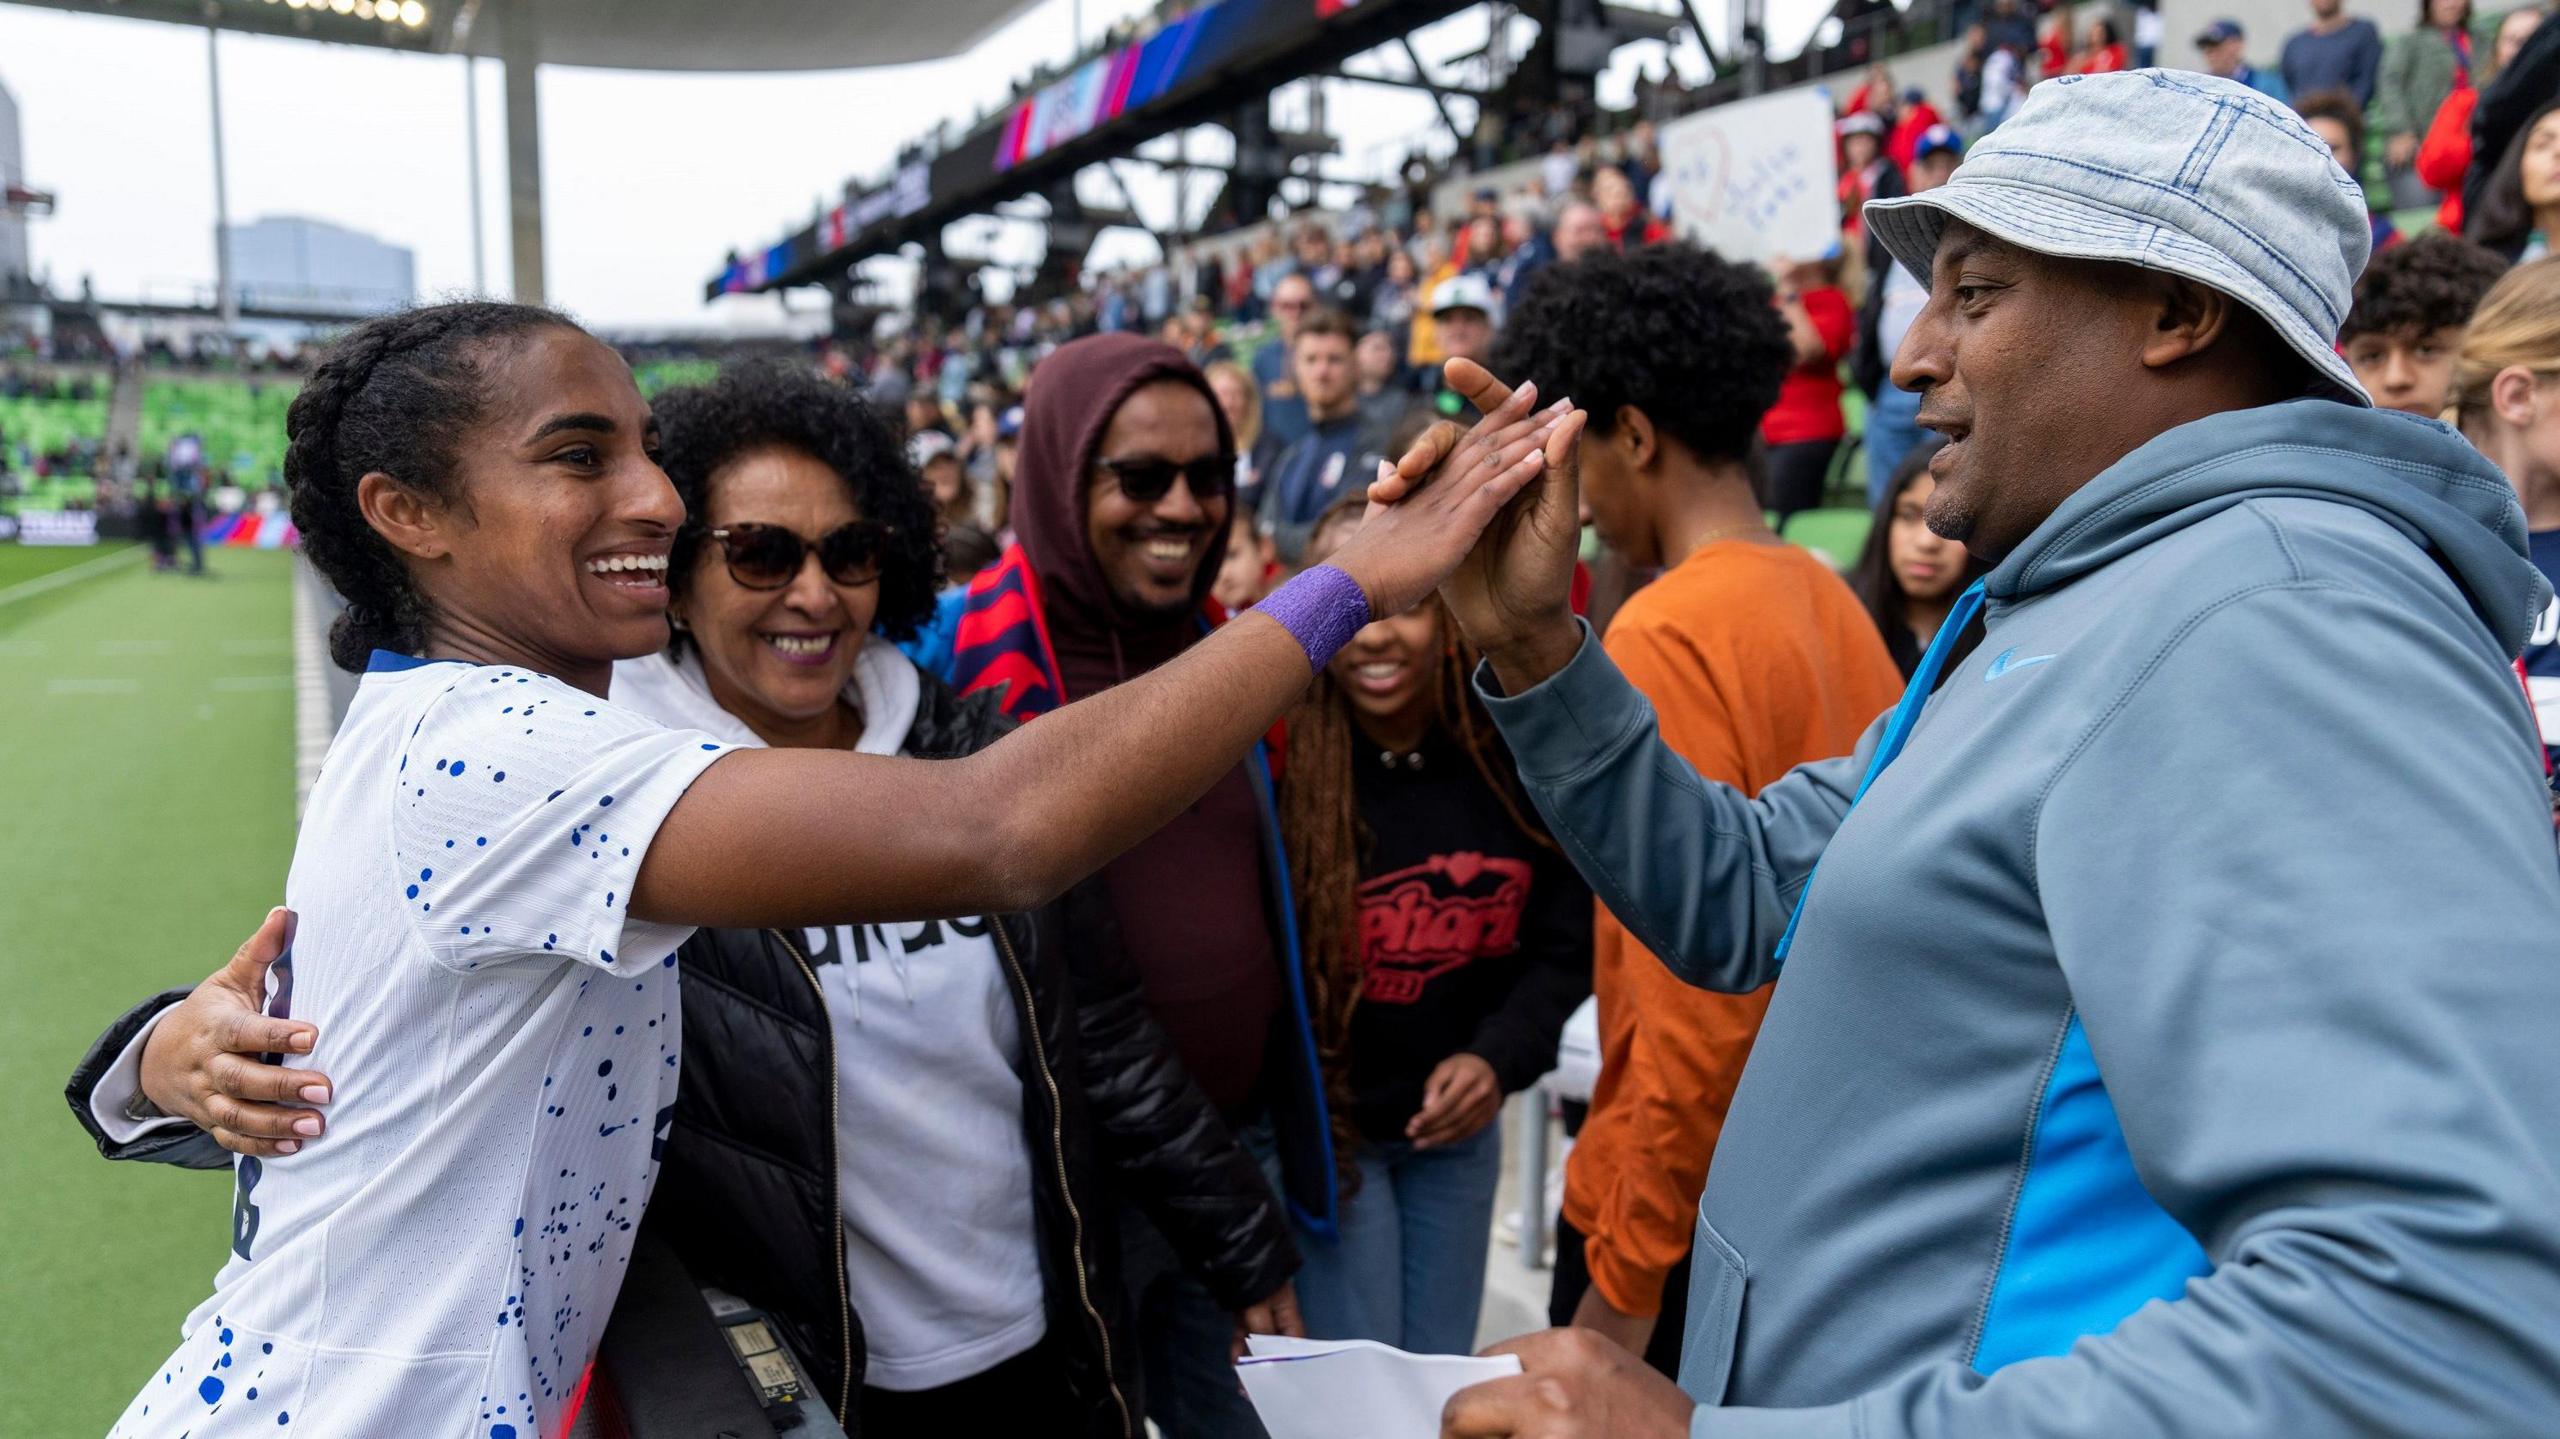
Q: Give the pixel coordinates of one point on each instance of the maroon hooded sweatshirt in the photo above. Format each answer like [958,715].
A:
[1190,898]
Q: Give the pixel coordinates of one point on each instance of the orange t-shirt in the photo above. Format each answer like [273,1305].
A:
[1757,658]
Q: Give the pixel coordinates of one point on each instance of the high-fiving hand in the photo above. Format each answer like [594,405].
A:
[1512,594]
[1430,522]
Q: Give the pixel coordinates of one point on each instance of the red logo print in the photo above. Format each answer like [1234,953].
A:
[1422,922]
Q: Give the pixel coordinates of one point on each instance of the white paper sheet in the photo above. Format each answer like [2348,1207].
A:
[1357,1388]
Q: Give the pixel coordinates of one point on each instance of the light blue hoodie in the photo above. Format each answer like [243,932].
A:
[2170,1044]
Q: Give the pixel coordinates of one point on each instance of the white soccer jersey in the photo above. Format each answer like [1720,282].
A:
[503,1038]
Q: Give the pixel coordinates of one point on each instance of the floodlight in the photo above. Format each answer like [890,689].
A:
[412,14]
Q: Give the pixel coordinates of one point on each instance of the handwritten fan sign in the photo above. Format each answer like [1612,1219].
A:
[1756,178]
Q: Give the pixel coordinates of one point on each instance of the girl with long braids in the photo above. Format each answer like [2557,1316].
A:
[497,865]
[1447,941]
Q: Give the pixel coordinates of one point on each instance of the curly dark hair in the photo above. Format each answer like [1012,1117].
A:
[757,403]
[393,395]
[1687,337]
[2422,285]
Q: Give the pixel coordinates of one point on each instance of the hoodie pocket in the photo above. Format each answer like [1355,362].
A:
[1716,1277]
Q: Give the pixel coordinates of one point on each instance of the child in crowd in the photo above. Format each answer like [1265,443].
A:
[2506,398]
[2406,327]
[1447,941]
[2338,120]
[1908,575]
[1249,569]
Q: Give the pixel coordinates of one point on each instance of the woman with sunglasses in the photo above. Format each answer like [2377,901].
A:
[498,864]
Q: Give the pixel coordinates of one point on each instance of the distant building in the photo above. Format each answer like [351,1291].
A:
[13,171]
[285,262]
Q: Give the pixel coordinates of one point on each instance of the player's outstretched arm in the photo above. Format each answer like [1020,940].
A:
[806,836]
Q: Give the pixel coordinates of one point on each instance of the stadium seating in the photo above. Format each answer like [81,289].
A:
[656,375]
[43,424]
[240,421]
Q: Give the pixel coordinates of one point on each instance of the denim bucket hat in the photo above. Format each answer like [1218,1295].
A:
[2170,171]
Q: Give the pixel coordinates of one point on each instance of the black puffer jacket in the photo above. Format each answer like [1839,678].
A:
[746,1194]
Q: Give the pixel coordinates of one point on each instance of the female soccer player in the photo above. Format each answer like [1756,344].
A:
[497,864]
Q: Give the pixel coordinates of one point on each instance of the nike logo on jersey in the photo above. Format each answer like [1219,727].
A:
[2007,660]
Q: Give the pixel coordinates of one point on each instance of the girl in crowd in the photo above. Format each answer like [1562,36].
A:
[2506,399]
[2103,53]
[1244,575]
[935,1098]
[497,866]
[2519,211]
[1908,575]
[1447,942]
[1241,399]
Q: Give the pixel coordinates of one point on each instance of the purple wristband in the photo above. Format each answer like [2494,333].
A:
[1321,608]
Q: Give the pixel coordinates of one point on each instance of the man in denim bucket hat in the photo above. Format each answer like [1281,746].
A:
[2163,1046]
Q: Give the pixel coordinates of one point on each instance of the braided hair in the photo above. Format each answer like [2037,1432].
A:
[393,395]
[1326,844]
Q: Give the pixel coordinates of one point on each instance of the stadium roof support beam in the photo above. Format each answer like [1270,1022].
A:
[1439,101]
[1130,199]
[521,61]
[1404,82]
[226,299]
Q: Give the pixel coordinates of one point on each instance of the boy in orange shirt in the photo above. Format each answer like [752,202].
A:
[1756,658]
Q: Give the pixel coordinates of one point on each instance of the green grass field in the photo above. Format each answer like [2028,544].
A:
[146,724]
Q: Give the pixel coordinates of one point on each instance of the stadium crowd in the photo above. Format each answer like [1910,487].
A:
[1038,1168]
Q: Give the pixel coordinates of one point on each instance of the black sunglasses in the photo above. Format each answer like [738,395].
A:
[1147,479]
[768,557]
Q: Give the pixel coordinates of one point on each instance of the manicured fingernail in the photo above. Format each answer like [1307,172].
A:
[306,1125]
[1386,470]
[315,1094]
[1565,404]
[288,1146]
[301,1042]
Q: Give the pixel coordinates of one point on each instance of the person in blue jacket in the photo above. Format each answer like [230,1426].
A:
[2162,1045]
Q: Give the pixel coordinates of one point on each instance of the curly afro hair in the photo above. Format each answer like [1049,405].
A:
[759,403]
[2422,285]
[1687,337]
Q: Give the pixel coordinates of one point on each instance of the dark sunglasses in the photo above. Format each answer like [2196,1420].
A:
[1147,480]
[768,557]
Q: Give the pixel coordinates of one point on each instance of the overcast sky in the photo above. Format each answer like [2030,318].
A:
[649,178]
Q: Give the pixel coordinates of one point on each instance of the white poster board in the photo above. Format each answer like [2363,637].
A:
[1756,178]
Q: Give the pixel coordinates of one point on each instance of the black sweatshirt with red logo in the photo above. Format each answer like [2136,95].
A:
[1476,937]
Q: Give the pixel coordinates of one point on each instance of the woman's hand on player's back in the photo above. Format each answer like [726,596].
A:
[205,1059]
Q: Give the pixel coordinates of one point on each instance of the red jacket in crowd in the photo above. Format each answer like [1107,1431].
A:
[1916,119]
[1637,228]
[2104,60]
[2444,157]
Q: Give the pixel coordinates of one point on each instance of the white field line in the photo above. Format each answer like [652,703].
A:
[45,584]
[312,724]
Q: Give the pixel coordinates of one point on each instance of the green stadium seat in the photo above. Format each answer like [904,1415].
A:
[1835,534]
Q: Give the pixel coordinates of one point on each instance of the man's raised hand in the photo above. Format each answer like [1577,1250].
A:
[1512,594]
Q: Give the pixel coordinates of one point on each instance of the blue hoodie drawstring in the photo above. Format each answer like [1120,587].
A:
[1897,730]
